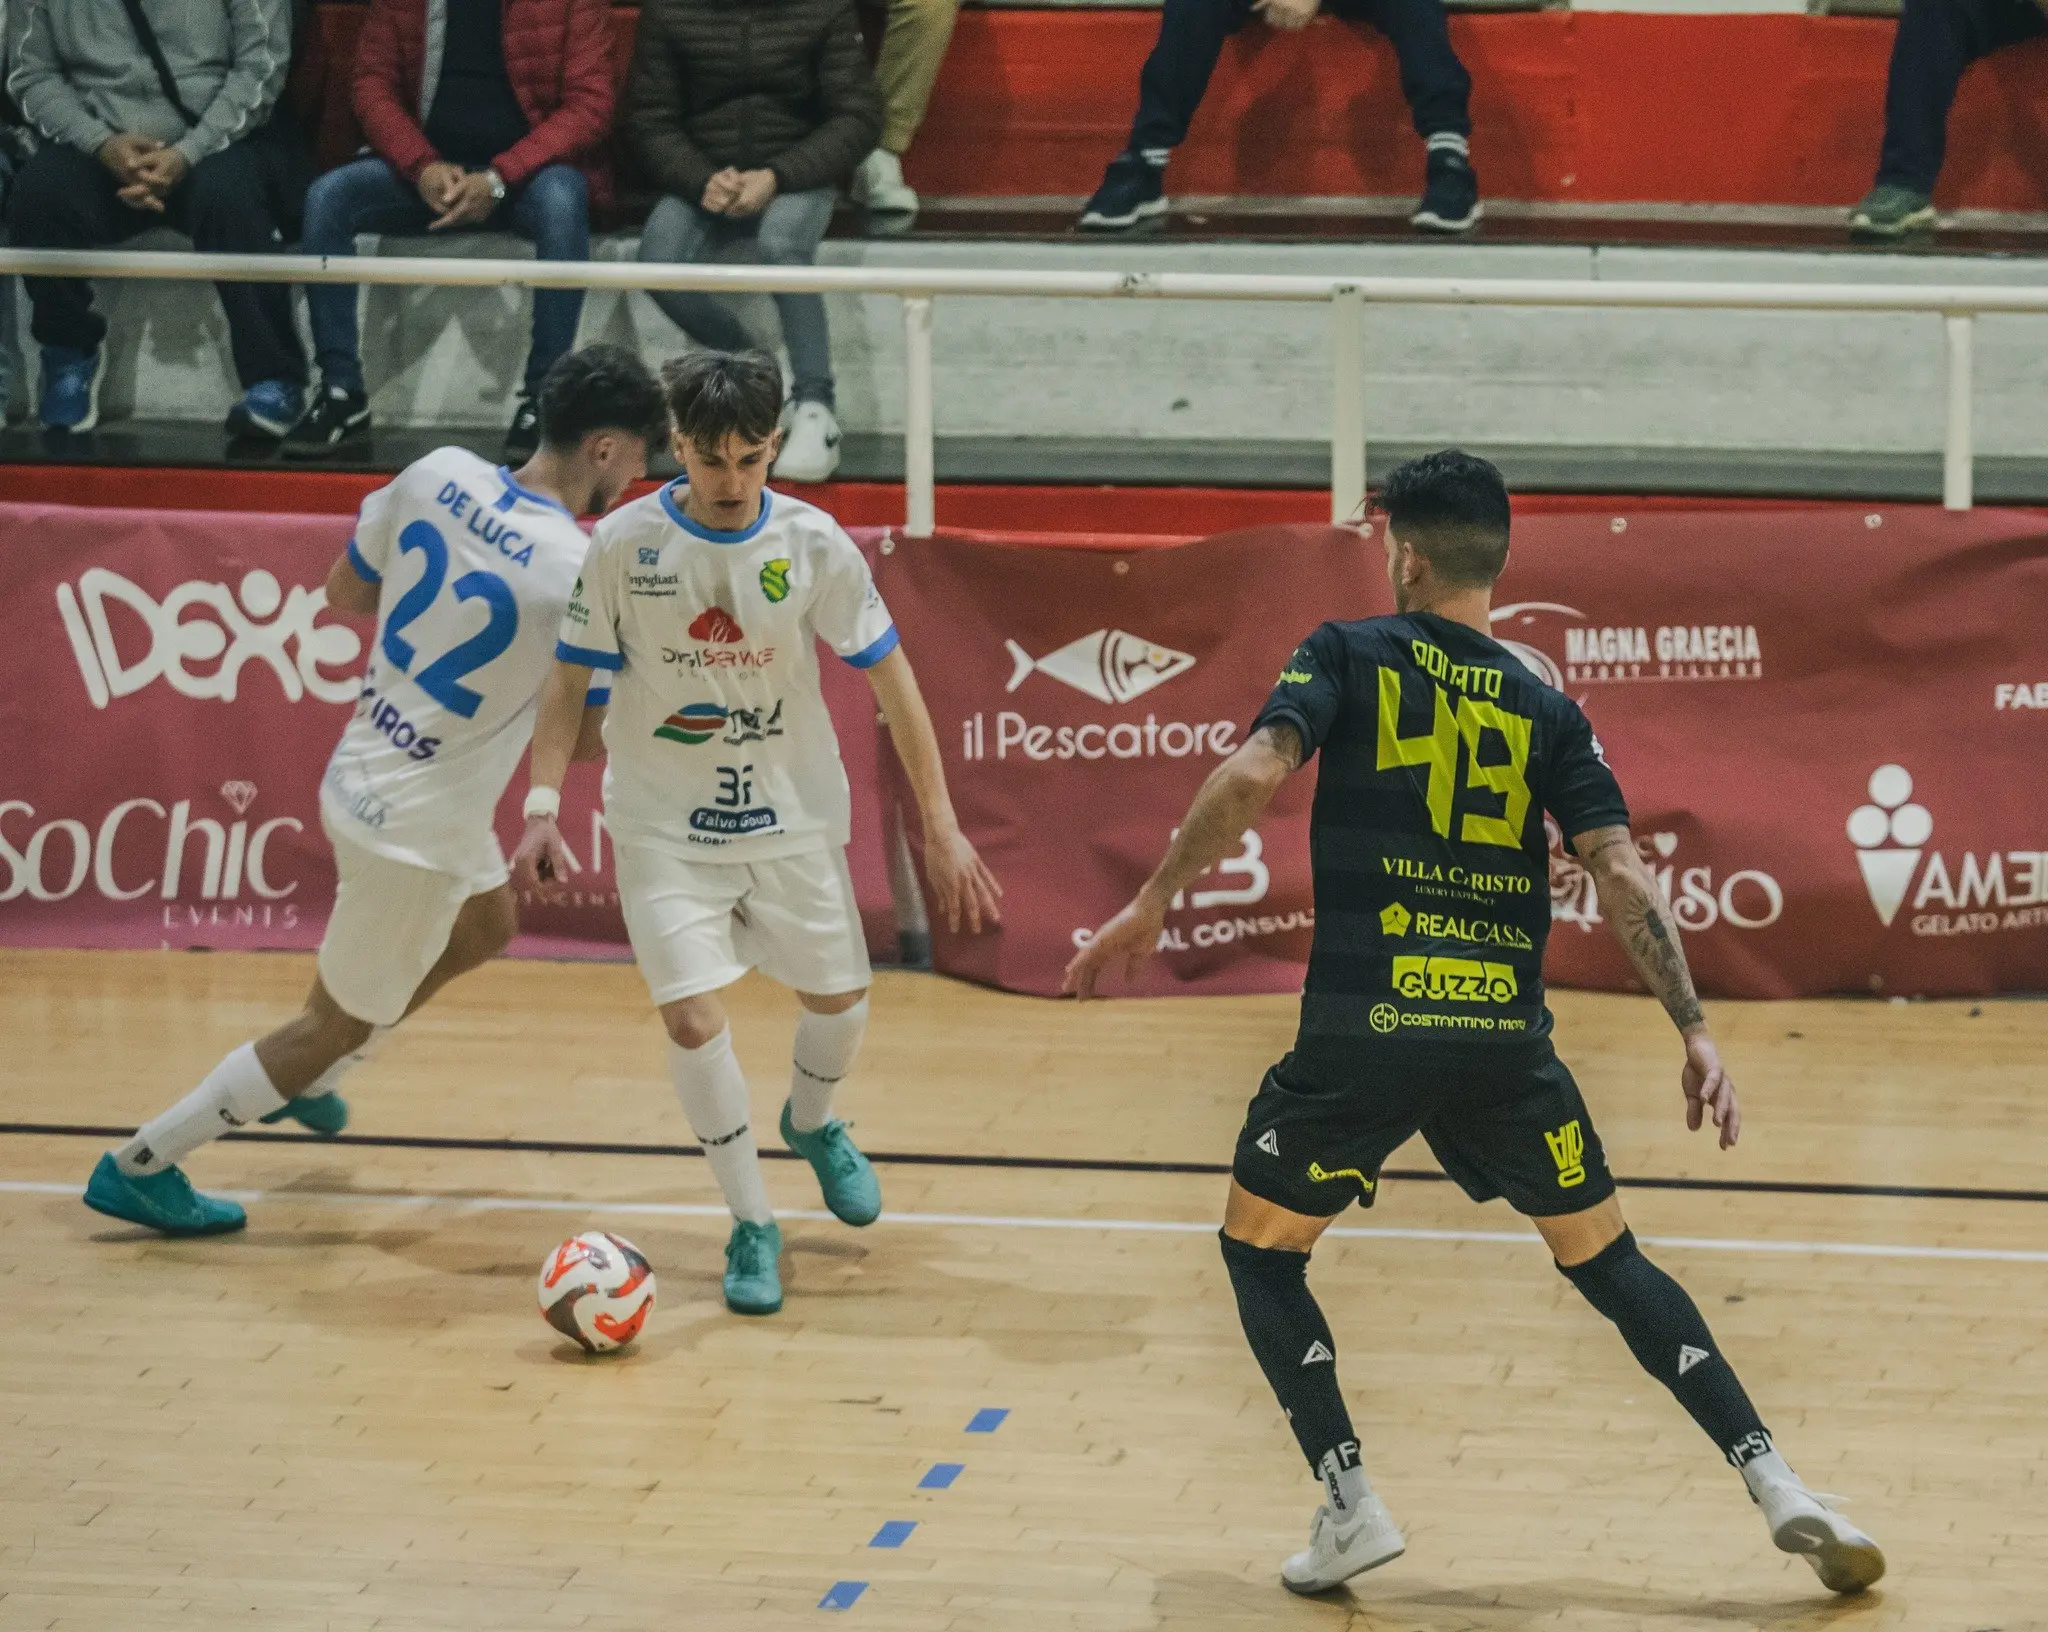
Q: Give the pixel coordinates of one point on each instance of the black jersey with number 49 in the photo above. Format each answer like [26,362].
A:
[1440,754]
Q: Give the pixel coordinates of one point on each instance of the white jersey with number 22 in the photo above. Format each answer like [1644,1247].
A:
[474,572]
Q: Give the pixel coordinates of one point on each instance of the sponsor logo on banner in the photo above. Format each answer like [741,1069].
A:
[1199,933]
[1563,646]
[2001,890]
[56,858]
[1109,665]
[1016,737]
[2018,694]
[1748,898]
[201,635]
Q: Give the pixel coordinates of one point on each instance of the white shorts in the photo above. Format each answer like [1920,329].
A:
[389,926]
[697,926]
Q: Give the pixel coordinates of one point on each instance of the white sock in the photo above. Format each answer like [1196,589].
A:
[330,1079]
[237,1090]
[713,1091]
[1346,1486]
[1768,1469]
[825,1047]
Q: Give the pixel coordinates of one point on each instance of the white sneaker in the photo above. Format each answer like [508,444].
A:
[1802,1522]
[879,185]
[1337,1552]
[810,449]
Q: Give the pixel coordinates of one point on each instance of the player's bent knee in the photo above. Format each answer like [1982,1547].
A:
[486,924]
[1577,1238]
[1252,1221]
[832,1003]
[693,1021]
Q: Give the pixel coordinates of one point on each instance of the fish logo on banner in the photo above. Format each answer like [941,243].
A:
[1109,665]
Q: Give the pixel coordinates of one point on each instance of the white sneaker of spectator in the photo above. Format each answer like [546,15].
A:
[810,448]
[879,187]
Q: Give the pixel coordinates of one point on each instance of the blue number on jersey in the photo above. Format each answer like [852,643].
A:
[442,678]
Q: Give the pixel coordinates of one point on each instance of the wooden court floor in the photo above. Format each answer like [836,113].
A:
[353,1417]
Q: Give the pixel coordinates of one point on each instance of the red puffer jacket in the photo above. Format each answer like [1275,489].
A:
[558,55]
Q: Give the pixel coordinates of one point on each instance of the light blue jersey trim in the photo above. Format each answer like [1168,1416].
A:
[711,535]
[597,696]
[364,571]
[512,486]
[589,659]
[868,656]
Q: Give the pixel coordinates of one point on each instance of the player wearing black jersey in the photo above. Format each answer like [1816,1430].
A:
[1423,1006]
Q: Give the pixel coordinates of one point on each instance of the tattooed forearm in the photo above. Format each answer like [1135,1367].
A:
[1231,800]
[1631,901]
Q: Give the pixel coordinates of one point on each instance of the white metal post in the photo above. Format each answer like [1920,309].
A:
[1957,453]
[919,477]
[1347,404]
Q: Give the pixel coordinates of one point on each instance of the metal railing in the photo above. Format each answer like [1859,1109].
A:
[1958,305]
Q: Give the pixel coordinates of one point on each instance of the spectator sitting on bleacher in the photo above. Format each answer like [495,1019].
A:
[507,133]
[1191,36]
[748,114]
[1936,41]
[157,112]
[913,45]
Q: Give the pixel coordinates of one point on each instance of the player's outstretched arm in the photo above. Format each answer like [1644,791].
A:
[542,862]
[1632,903]
[1231,801]
[960,880]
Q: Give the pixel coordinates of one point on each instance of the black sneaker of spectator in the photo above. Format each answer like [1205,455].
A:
[335,417]
[1133,189]
[522,441]
[1450,199]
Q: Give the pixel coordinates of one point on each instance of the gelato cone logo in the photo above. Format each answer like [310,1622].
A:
[1109,665]
[1889,834]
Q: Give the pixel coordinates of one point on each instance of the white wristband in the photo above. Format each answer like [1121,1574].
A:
[543,802]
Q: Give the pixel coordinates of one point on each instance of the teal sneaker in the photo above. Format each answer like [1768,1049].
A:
[164,1201]
[326,1114]
[844,1174]
[753,1285]
[1891,211]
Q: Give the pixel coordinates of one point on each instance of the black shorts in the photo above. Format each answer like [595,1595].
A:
[1510,1125]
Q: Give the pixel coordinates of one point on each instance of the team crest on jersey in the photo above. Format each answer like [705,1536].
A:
[775,580]
[693,723]
[717,627]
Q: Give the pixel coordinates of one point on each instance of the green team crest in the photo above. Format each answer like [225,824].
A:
[775,580]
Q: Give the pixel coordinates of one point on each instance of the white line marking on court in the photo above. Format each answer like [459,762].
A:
[994,1221]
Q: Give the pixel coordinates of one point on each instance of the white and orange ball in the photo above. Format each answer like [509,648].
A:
[597,1288]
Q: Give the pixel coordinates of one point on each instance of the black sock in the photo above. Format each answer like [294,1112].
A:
[1292,1343]
[1669,1338]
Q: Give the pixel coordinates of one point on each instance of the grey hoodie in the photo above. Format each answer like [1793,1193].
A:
[82,76]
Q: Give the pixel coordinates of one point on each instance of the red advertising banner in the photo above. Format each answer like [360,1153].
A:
[1830,724]
[170,688]
[1081,696]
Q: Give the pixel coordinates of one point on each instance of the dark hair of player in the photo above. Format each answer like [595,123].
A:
[600,388]
[716,394]
[1452,508]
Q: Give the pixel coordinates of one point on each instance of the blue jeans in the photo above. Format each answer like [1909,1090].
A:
[551,211]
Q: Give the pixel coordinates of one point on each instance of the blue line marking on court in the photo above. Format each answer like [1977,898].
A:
[894,1534]
[988,1419]
[844,1595]
[941,1475]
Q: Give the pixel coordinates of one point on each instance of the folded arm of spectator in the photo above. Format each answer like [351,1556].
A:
[384,102]
[852,107]
[46,98]
[262,35]
[654,115]
[584,119]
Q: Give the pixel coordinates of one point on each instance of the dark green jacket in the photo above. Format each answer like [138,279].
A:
[782,85]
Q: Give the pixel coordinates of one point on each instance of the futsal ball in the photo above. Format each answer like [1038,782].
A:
[597,1289]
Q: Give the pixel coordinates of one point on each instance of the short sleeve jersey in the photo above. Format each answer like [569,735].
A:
[473,573]
[1440,754]
[719,745]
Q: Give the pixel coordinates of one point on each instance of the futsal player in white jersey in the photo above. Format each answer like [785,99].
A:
[468,567]
[703,604]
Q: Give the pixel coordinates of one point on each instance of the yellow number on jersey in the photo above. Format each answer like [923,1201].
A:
[1438,749]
